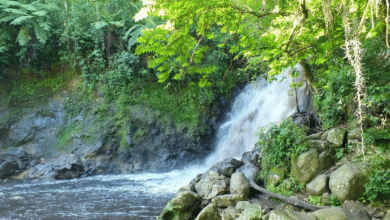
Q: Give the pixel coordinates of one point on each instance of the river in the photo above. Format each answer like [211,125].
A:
[143,196]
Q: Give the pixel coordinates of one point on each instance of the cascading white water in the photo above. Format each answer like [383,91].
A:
[257,106]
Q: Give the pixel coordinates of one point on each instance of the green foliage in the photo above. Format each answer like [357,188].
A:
[29,91]
[287,188]
[30,17]
[378,137]
[280,143]
[335,96]
[378,186]
[316,200]
[334,201]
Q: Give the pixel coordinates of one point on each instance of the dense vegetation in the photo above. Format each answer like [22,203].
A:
[186,54]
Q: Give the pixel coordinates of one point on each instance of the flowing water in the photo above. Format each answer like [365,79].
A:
[143,196]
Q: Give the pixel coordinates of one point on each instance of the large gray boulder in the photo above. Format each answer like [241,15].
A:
[211,185]
[8,168]
[228,200]
[251,212]
[347,182]
[227,167]
[42,172]
[305,166]
[333,213]
[287,214]
[181,207]
[318,186]
[336,136]
[230,213]
[250,171]
[209,213]
[68,166]
[239,184]
[355,210]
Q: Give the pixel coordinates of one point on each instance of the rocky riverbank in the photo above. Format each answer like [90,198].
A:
[231,189]
[62,139]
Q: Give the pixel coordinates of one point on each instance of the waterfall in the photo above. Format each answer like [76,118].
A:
[258,105]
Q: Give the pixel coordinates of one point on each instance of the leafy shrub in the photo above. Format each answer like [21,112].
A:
[334,201]
[124,67]
[280,143]
[378,186]
[336,94]
[378,137]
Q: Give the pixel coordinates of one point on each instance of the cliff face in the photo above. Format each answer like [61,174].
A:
[97,136]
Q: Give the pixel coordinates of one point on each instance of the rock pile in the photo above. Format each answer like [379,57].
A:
[227,191]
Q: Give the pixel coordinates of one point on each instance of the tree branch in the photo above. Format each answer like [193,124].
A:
[295,202]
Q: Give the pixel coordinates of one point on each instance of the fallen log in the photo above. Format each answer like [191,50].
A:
[293,201]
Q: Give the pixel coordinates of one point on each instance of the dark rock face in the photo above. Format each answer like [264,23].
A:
[227,167]
[14,162]
[150,143]
[67,166]
[306,119]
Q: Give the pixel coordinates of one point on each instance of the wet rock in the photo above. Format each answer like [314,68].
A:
[251,212]
[181,207]
[305,119]
[211,185]
[239,184]
[355,210]
[347,182]
[209,213]
[318,186]
[333,213]
[227,167]
[8,168]
[42,172]
[336,136]
[251,157]
[250,171]
[306,166]
[287,214]
[230,213]
[228,200]
[68,166]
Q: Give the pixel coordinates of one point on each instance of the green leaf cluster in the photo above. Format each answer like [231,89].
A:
[279,144]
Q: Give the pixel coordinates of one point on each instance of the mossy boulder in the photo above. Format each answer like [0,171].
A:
[336,136]
[276,175]
[230,213]
[239,184]
[347,182]
[305,166]
[287,214]
[333,213]
[181,207]
[228,200]
[211,185]
[209,213]
[251,212]
[318,186]
[355,133]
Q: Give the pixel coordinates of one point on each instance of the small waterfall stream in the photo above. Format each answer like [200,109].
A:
[258,105]
[143,196]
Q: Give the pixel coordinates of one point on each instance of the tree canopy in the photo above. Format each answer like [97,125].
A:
[279,33]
